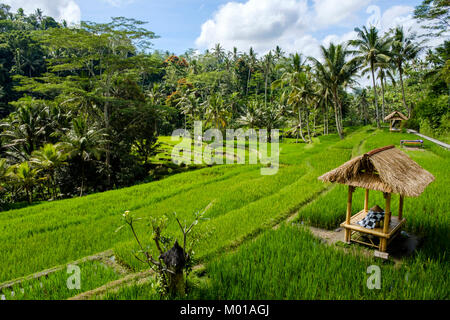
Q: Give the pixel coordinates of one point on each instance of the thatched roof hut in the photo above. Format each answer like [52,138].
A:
[396,115]
[388,170]
[393,117]
[385,169]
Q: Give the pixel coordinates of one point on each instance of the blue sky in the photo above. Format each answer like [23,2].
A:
[295,25]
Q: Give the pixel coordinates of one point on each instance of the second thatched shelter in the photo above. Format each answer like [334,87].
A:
[388,170]
[393,118]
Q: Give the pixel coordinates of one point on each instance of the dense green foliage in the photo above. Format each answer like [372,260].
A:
[85,114]
[75,228]
[91,100]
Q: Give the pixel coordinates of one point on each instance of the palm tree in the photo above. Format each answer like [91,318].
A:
[26,177]
[216,111]
[384,71]
[270,118]
[336,73]
[24,130]
[267,66]
[251,117]
[404,49]
[85,143]
[219,54]
[293,77]
[303,95]
[324,97]
[370,50]
[188,104]
[361,100]
[251,64]
[49,158]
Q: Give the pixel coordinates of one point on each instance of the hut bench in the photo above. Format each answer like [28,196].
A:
[403,142]
[388,170]
[356,230]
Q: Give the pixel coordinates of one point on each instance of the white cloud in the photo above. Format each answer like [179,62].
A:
[330,12]
[257,23]
[264,24]
[118,3]
[401,16]
[58,9]
[295,26]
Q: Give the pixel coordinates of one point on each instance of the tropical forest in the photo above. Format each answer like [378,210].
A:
[91,115]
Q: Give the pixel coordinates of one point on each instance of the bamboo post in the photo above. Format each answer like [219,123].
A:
[387,213]
[366,201]
[348,232]
[400,208]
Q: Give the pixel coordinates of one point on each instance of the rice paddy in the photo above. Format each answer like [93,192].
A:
[287,263]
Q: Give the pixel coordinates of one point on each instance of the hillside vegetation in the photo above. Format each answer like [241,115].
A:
[245,205]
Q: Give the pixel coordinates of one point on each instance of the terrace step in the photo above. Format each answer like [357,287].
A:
[44,273]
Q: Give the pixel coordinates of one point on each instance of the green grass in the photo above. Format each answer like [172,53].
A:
[246,204]
[41,236]
[54,287]
[290,263]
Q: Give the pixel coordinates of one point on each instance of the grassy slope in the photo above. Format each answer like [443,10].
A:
[45,235]
[41,236]
[322,272]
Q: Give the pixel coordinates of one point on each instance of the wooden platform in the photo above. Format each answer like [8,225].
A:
[394,226]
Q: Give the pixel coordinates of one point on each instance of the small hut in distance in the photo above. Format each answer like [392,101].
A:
[393,118]
[388,170]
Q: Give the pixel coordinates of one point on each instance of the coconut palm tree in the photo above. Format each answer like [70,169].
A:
[85,143]
[267,65]
[362,102]
[384,71]
[251,65]
[24,130]
[370,49]
[25,177]
[291,82]
[404,49]
[188,104]
[251,116]
[216,111]
[303,95]
[49,158]
[270,118]
[336,72]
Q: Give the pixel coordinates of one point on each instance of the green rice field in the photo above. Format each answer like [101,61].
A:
[242,255]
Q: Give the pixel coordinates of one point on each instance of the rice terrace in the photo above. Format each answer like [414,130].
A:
[131,173]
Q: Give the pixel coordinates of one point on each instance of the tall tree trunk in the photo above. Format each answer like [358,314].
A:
[265,92]
[300,124]
[248,79]
[376,97]
[384,101]
[337,108]
[307,126]
[403,92]
[108,151]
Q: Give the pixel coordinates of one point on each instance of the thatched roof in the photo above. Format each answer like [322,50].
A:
[396,115]
[385,169]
